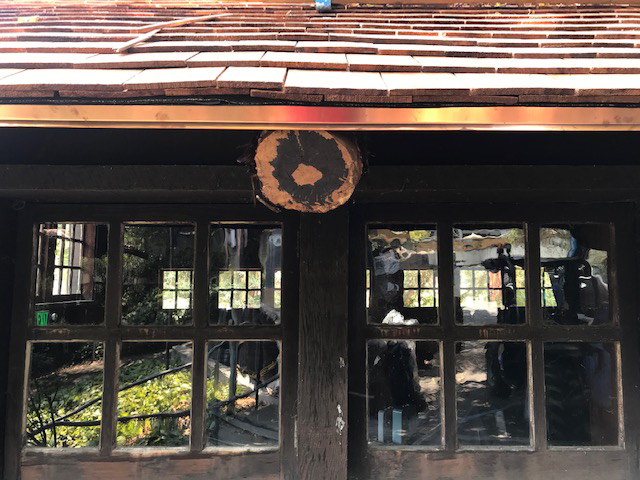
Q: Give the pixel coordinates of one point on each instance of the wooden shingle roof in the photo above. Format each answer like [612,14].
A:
[412,54]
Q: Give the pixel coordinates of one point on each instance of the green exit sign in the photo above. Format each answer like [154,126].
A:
[42,318]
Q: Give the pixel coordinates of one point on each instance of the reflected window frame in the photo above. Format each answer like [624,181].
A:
[449,332]
[112,332]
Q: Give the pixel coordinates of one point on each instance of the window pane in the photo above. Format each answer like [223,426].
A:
[492,398]
[411,279]
[403,265]
[240,280]
[157,259]
[72,293]
[581,393]
[404,392]
[254,280]
[489,274]
[575,263]
[155,394]
[65,386]
[243,394]
[245,275]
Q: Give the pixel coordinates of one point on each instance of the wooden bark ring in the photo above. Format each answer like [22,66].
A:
[313,171]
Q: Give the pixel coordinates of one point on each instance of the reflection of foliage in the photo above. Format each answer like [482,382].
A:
[169,393]
[64,377]
[148,250]
[72,385]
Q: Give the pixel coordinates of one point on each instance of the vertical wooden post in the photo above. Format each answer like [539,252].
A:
[322,375]
[9,223]
[19,352]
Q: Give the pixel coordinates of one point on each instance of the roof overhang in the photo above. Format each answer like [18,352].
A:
[275,117]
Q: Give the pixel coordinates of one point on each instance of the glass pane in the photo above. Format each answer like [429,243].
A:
[403,266]
[245,274]
[240,280]
[224,277]
[492,398]
[575,274]
[169,280]
[427,279]
[184,279]
[410,298]
[411,279]
[157,259]
[154,400]
[254,280]
[253,299]
[581,393]
[239,299]
[489,274]
[243,394]
[65,386]
[404,393]
[224,299]
[73,293]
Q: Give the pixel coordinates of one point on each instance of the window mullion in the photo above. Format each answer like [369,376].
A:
[198,394]
[200,321]
[109,396]
[535,322]
[447,318]
[111,358]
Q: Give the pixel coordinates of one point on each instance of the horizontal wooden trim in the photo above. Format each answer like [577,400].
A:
[379,184]
[577,463]
[276,117]
[506,333]
[159,333]
[56,465]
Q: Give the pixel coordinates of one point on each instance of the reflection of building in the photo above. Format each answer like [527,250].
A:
[155,236]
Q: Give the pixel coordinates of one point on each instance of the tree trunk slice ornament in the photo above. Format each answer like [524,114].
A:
[307,171]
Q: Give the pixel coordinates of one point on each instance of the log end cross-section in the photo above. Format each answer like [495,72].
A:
[307,171]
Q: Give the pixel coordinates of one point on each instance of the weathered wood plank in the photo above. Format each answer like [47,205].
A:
[501,465]
[258,466]
[322,375]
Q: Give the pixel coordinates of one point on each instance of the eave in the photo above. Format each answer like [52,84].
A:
[273,117]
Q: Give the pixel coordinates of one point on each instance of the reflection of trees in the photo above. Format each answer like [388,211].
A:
[62,375]
[149,249]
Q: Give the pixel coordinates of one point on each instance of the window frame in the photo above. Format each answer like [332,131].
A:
[375,461]
[112,334]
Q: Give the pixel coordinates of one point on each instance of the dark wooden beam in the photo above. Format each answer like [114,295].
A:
[232,184]
[8,229]
[322,377]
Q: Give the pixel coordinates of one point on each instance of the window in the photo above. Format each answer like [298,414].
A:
[70,273]
[176,289]
[239,289]
[420,288]
[509,361]
[154,371]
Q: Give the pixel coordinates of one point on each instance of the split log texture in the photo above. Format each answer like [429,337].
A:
[307,171]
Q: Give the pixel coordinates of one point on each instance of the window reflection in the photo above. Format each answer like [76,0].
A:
[581,393]
[404,392]
[575,277]
[154,397]
[71,274]
[157,274]
[243,394]
[492,400]
[245,276]
[489,276]
[65,395]
[402,277]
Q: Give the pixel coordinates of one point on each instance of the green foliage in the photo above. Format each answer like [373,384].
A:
[59,393]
